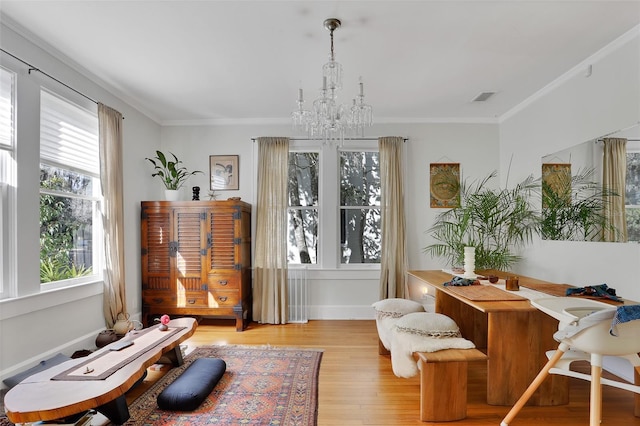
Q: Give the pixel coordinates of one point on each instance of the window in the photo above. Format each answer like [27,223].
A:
[632,191]
[70,234]
[334,204]
[7,141]
[360,207]
[303,207]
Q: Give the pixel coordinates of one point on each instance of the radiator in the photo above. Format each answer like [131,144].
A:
[298,295]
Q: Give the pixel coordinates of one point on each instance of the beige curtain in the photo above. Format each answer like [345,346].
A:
[394,252]
[110,126]
[270,273]
[614,175]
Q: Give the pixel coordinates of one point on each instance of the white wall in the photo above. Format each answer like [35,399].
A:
[69,319]
[339,293]
[576,109]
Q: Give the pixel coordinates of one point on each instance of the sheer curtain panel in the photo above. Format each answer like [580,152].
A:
[110,125]
[270,279]
[614,176]
[393,264]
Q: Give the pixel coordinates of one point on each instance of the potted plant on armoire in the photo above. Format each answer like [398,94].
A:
[172,172]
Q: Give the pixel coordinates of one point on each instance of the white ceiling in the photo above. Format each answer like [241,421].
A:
[190,61]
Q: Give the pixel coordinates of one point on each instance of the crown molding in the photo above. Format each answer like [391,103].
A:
[580,68]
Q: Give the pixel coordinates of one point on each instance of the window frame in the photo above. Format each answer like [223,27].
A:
[633,147]
[355,148]
[7,195]
[329,256]
[95,198]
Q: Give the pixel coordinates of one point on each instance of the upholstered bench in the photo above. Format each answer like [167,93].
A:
[443,383]
[196,382]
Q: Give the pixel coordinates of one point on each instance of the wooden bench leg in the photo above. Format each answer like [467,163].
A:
[381,349]
[443,391]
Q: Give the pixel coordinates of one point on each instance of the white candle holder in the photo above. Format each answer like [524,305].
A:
[469,262]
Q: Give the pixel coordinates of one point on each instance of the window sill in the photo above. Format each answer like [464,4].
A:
[22,305]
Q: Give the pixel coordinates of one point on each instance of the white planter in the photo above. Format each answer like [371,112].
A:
[172,194]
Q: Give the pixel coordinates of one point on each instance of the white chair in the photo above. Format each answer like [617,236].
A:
[583,334]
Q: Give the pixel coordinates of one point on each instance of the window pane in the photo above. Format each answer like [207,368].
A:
[632,190]
[62,180]
[7,102]
[303,236]
[65,237]
[632,196]
[360,235]
[303,179]
[359,179]
[633,223]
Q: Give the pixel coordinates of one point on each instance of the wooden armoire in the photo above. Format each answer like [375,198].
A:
[196,259]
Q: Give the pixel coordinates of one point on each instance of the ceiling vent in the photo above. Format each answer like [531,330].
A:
[483,96]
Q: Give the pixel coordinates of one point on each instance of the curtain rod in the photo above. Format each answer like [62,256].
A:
[618,131]
[345,139]
[628,139]
[34,68]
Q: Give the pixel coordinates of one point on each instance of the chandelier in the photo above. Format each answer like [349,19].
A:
[328,119]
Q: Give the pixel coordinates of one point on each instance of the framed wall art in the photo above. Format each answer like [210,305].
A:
[556,182]
[224,172]
[444,185]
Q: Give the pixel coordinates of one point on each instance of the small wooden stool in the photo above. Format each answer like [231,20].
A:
[443,383]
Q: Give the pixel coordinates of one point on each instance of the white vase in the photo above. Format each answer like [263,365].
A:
[171,194]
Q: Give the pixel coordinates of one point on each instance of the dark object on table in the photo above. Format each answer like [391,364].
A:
[196,193]
[105,337]
[597,291]
[459,281]
[187,392]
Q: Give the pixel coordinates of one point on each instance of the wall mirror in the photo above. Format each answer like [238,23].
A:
[573,195]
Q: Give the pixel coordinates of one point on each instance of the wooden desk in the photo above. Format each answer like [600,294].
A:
[514,334]
[39,398]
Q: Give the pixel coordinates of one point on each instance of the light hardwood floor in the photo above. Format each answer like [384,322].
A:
[357,386]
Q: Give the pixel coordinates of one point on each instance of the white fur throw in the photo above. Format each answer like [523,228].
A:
[386,327]
[422,332]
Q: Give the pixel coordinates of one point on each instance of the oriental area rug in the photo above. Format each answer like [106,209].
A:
[261,386]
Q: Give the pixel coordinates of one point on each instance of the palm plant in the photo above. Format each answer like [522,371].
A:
[573,208]
[497,222]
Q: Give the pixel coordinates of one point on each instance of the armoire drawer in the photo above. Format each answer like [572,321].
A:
[223,298]
[224,281]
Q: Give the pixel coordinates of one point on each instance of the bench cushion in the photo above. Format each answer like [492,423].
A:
[396,307]
[42,366]
[187,392]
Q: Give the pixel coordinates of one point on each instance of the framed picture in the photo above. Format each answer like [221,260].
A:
[224,172]
[445,185]
[556,183]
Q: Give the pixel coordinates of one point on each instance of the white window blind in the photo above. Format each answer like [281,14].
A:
[6,108]
[68,135]
[7,138]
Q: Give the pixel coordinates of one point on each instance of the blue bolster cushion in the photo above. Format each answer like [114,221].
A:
[187,392]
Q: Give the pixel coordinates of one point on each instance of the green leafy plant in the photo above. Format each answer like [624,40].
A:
[497,222]
[172,173]
[573,209]
[55,270]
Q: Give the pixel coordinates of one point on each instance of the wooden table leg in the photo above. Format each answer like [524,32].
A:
[116,410]
[517,342]
[636,374]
